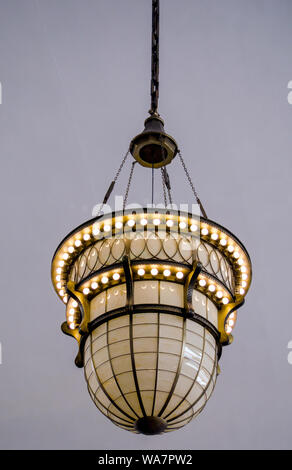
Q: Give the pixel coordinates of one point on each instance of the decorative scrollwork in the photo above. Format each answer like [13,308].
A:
[157,246]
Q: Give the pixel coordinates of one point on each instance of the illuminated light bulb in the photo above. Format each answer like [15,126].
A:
[65,299]
[182,225]
[143,221]
[141,272]
[202,282]
[77,243]
[204,231]
[193,228]
[243,269]
[225,300]
[243,283]
[240,261]
[230,322]
[236,254]
[166,273]
[223,242]
[59,270]
[70,318]
[156,221]
[85,290]
[169,223]
[228,329]
[94,285]
[154,271]
[65,256]
[179,275]
[107,228]
[230,248]
[71,311]
[214,236]
[219,294]
[61,263]
[62,293]
[58,278]
[74,304]
[95,230]
[116,276]
[59,285]
[104,279]
[71,249]
[118,224]
[244,277]
[86,236]
[241,291]
[131,222]
[212,288]
[72,326]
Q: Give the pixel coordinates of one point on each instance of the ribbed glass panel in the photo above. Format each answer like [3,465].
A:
[150,364]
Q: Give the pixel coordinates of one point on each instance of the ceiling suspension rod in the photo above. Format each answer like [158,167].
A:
[154,91]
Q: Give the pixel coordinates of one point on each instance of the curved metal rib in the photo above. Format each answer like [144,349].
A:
[189,286]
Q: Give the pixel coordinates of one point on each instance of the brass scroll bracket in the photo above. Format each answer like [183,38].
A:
[223,314]
[83,303]
[80,333]
[129,282]
[75,333]
[189,286]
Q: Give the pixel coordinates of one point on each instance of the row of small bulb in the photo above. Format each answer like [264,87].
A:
[140,271]
[104,280]
[230,323]
[71,312]
[154,271]
[235,254]
[131,222]
[217,292]
[107,227]
[156,221]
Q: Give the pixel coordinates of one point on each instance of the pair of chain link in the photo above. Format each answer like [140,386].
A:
[192,185]
[111,186]
[128,185]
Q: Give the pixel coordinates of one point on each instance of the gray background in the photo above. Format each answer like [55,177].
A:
[75,77]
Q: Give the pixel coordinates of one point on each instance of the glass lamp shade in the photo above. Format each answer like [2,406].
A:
[150,372]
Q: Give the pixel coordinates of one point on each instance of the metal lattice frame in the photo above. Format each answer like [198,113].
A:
[128,420]
[210,257]
[89,246]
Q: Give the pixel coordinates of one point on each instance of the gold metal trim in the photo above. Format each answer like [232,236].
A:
[223,313]
[84,305]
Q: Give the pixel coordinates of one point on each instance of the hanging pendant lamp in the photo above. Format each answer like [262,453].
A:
[151,294]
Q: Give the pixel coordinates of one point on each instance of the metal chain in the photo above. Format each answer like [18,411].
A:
[167,182]
[152,185]
[128,185]
[163,187]
[192,185]
[154,90]
[111,186]
[121,166]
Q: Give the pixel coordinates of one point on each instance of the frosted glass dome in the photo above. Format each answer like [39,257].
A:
[151,371]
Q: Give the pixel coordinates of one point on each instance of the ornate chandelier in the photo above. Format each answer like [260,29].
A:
[151,294]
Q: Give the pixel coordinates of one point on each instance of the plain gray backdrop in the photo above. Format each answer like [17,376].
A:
[75,80]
